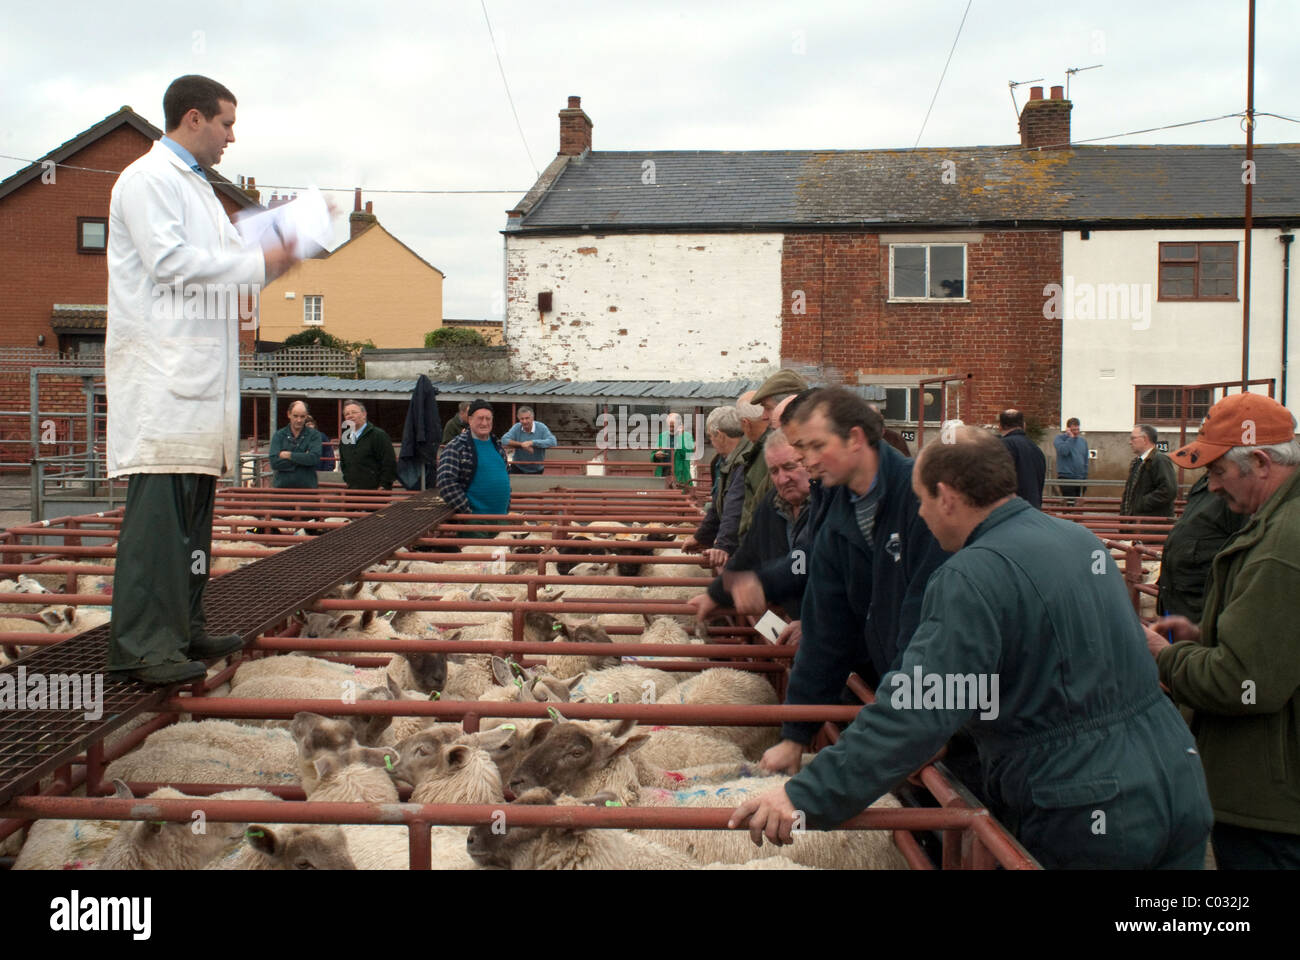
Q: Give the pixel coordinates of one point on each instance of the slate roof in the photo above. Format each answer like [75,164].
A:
[881,188]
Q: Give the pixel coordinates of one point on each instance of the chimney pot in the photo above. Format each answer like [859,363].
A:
[1035,93]
[575,103]
[575,129]
[1058,93]
[370,207]
[356,199]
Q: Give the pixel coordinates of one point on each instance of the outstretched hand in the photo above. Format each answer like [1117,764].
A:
[770,815]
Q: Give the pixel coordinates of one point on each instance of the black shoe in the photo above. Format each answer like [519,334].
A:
[170,672]
[210,648]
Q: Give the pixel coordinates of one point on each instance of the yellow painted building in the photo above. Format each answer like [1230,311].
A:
[373,287]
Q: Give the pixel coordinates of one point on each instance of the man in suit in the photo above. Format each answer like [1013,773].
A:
[1152,486]
[1031,465]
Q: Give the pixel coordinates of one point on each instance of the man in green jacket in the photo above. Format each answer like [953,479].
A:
[457,424]
[1240,669]
[295,451]
[1028,639]
[365,451]
[675,442]
[758,484]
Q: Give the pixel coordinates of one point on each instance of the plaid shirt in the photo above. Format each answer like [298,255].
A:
[456,465]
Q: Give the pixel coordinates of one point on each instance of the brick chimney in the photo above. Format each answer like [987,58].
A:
[575,129]
[360,219]
[1046,123]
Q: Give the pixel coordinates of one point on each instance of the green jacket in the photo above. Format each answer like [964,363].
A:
[299,469]
[758,482]
[1151,489]
[1083,758]
[1249,651]
[368,463]
[1205,526]
[453,428]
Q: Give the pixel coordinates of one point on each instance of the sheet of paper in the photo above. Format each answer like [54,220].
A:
[303,222]
[770,626]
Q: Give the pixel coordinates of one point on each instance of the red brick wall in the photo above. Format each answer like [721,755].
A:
[852,333]
[38,240]
[62,400]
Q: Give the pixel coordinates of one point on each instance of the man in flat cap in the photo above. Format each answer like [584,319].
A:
[1239,670]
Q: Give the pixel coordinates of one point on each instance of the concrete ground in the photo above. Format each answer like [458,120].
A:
[15,499]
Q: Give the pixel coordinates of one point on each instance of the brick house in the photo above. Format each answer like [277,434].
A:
[866,266]
[53,239]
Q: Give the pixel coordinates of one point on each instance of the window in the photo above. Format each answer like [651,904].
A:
[92,234]
[903,404]
[1163,405]
[313,310]
[1198,271]
[927,271]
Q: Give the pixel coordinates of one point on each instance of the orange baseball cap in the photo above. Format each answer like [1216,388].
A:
[1238,420]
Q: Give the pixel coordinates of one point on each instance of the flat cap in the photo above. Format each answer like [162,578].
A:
[783,381]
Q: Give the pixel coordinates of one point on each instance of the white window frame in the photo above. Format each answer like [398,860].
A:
[928,299]
[317,300]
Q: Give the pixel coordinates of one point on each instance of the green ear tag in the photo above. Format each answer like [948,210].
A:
[435,695]
[253,834]
[515,668]
[613,803]
[609,698]
[506,726]
[388,763]
[553,714]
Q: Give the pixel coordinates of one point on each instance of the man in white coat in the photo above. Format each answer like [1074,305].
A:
[177,273]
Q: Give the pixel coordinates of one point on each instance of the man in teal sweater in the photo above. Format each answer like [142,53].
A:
[295,451]
[472,474]
[1027,639]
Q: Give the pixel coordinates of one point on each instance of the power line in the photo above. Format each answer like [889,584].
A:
[506,84]
[943,74]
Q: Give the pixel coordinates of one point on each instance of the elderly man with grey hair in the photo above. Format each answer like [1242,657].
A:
[1239,668]
[758,483]
[1152,486]
[718,534]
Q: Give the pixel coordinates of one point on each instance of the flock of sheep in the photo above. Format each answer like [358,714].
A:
[551,761]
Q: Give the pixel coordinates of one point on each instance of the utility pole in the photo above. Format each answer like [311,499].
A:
[1250,182]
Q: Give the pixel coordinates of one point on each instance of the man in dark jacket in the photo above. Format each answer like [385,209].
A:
[1206,525]
[457,424]
[1152,486]
[718,531]
[778,534]
[869,564]
[365,451]
[472,472]
[1028,640]
[1031,465]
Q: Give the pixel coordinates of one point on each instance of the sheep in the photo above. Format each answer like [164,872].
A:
[673,748]
[355,775]
[516,685]
[581,758]
[289,846]
[567,666]
[561,848]
[211,751]
[723,685]
[837,850]
[163,845]
[316,736]
[631,684]
[24,584]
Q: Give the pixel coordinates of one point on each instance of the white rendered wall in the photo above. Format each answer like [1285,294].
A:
[672,306]
[1105,357]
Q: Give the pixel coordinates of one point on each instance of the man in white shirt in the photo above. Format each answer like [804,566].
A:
[177,272]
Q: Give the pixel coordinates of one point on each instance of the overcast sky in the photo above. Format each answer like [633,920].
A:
[407,96]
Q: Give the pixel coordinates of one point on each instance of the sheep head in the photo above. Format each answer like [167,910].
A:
[566,753]
[301,846]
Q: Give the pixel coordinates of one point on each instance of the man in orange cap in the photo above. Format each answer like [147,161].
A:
[1240,668]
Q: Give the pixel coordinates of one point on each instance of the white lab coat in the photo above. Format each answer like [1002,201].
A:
[176,269]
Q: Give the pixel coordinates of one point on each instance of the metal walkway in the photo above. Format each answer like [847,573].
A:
[247,601]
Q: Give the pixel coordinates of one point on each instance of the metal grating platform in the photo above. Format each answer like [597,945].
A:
[247,601]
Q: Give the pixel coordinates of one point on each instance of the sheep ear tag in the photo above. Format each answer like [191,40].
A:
[388,763]
[554,714]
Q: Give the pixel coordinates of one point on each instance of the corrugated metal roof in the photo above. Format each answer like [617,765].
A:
[717,391]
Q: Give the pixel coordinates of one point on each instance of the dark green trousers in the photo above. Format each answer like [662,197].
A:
[164,553]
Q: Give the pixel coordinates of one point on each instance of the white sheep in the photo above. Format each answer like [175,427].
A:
[723,685]
[211,751]
[289,846]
